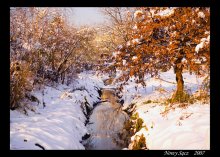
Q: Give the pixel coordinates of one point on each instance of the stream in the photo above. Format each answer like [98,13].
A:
[106,121]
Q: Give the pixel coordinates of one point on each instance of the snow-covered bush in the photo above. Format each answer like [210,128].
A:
[138,143]
[19,83]
[54,49]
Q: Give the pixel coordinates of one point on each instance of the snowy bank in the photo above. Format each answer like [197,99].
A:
[59,125]
[179,128]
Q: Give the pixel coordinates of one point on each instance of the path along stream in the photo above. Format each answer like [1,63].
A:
[106,120]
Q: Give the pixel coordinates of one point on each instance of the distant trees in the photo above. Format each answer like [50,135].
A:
[116,31]
[162,38]
[119,25]
[46,48]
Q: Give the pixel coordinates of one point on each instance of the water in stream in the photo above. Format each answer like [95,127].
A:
[106,121]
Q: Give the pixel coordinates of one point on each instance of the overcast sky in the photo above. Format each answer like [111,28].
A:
[86,15]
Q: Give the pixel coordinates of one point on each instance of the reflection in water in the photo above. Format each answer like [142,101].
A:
[107,120]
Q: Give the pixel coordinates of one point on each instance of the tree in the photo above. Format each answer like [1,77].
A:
[116,31]
[46,49]
[120,23]
[43,38]
[163,38]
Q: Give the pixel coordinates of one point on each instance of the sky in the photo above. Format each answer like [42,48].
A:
[86,15]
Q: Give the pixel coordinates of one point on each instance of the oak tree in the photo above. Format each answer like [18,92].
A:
[163,38]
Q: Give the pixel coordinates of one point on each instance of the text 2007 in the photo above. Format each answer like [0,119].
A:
[199,152]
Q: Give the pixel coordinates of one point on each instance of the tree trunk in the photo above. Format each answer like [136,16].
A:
[178,69]
[179,79]
[180,95]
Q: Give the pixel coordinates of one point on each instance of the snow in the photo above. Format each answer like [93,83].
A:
[193,21]
[116,53]
[60,125]
[199,46]
[130,93]
[167,12]
[135,26]
[164,13]
[136,41]
[123,62]
[128,43]
[201,14]
[137,13]
[179,129]
[27,46]
[184,60]
[120,47]
[134,57]
[203,42]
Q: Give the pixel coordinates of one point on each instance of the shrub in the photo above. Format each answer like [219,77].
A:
[139,124]
[140,143]
[136,123]
[19,83]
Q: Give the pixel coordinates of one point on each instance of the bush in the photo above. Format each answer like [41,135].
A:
[139,124]
[134,116]
[139,143]
[19,83]
[136,122]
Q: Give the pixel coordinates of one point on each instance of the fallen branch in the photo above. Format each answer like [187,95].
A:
[36,144]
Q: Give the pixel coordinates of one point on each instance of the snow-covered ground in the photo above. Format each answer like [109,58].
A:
[60,125]
[159,88]
[180,128]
